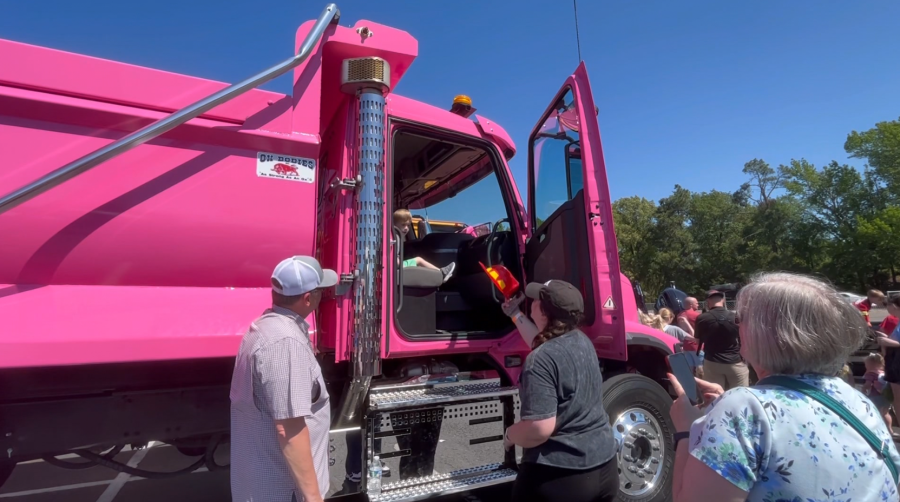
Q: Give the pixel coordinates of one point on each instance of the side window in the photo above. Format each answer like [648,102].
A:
[556,153]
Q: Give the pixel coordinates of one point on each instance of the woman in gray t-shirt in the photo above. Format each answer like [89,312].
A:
[569,449]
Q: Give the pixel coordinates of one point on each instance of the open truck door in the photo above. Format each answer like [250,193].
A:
[570,212]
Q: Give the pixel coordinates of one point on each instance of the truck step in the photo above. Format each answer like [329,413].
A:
[444,484]
[398,397]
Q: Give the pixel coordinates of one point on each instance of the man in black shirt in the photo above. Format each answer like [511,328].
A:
[718,334]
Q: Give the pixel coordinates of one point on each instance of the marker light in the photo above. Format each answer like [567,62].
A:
[462,106]
[462,99]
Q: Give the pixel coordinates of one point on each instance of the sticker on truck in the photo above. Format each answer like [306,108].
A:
[285,167]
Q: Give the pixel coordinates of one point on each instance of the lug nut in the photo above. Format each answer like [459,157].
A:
[629,445]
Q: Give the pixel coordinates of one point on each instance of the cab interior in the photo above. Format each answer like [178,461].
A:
[426,171]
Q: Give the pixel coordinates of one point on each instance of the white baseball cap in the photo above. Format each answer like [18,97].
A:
[297,275]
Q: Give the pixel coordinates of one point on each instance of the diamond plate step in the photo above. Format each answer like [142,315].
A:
[436,485]
[441,393]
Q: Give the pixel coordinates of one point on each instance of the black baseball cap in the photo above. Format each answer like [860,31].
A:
[559,298]
[714,292]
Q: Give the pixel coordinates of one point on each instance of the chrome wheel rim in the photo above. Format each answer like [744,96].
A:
[641,448]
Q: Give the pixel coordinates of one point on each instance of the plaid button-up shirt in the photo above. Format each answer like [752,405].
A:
[276,377]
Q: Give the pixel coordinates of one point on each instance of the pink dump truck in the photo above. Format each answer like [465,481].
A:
[142,213]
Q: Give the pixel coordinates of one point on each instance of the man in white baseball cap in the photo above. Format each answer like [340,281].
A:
[277,386]
[298,275]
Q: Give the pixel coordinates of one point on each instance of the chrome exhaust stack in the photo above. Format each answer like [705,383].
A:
[369,80]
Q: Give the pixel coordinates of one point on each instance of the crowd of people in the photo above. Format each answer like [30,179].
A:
[798,433]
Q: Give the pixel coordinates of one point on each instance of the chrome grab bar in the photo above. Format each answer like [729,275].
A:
[398,262]
[490,244]
[330,15]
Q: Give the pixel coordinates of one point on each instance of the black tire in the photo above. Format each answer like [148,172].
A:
[629,391]
[6,469]
[191,451]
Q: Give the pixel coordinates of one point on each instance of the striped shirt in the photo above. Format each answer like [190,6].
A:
[276,377]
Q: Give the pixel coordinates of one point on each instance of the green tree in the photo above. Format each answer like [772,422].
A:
[769,241]
[880,146]
[717,225]
[834,195]
[765,180]
[634,219]
[879,235]
[676,259]
[835,198]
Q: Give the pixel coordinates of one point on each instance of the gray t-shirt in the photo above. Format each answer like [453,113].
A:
[562,378]
[276,377]
[675,331]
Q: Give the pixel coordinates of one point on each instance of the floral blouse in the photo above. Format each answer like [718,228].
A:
[782,446]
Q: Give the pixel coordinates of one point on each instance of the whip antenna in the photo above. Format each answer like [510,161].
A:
[577,36]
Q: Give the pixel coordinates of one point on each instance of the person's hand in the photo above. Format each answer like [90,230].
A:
[507,444]
[511,306]
[683,413]
[710,391]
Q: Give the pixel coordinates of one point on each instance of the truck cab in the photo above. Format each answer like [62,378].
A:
[137,266]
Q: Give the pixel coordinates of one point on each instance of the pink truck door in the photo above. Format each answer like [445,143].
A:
[571,213]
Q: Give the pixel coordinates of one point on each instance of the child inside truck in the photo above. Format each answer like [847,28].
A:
[403,221]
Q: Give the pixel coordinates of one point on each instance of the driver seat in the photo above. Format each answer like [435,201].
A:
[418,313]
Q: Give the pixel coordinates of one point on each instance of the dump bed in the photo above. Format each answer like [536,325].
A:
[162,252]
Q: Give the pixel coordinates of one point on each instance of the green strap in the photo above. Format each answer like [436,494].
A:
[881,447]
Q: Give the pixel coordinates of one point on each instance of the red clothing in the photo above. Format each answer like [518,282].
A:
[691,316]
[889,324]
[865,306]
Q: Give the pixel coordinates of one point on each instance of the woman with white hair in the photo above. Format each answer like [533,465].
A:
[801,432]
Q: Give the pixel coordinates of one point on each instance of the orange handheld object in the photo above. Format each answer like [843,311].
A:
[503,279]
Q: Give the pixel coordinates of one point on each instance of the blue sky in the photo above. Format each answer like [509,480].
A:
[688,91]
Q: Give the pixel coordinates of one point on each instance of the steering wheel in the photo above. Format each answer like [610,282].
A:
[489,244]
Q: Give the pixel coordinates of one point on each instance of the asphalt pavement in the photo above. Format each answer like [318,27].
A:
[38,481]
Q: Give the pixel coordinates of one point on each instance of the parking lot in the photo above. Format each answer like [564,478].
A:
[38,481]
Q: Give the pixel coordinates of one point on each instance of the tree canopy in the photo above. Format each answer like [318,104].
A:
[834,221]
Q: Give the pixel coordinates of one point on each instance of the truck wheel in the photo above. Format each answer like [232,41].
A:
[6,469]
[638,411]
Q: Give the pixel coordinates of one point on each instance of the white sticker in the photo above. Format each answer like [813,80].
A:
[609,304]
[285,167]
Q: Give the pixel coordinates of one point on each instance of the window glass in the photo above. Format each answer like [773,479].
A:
[481,203]
[556,153]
